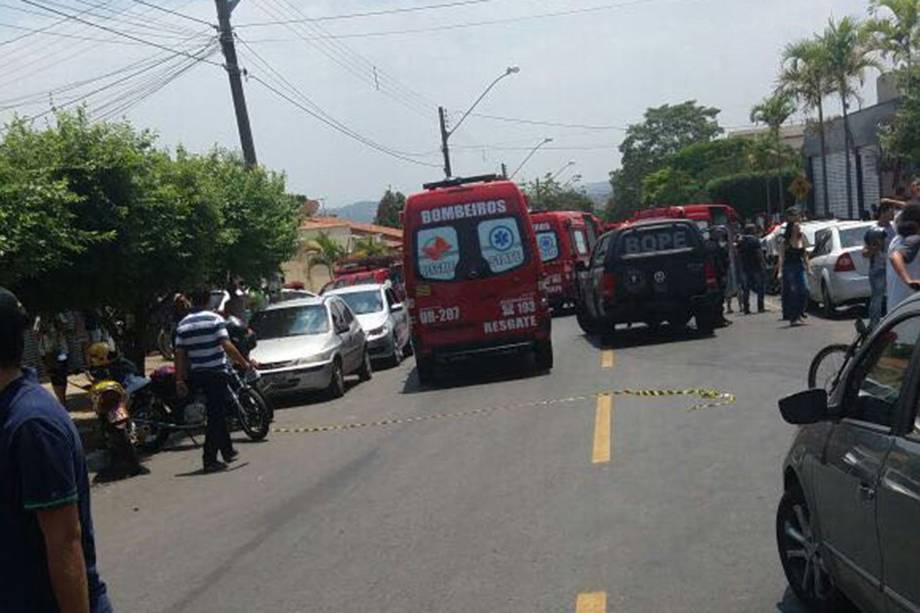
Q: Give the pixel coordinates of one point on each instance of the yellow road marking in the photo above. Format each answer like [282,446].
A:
[603,429]
[591,602]
[607,358]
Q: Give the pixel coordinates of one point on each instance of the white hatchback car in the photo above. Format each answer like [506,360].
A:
[839,271]
[383,317]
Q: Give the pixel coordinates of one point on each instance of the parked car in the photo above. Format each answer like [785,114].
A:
[383,318]
[649,271]
[473,274]
[839,271]
[294,294]
[309,344]
[847,521]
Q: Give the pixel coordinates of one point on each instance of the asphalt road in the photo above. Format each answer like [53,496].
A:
[530,507]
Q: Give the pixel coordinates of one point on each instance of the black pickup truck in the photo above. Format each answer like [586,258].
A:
[653,271]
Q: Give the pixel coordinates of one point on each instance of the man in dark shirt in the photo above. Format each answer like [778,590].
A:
[753,269]
[48,555]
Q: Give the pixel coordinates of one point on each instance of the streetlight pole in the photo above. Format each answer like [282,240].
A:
[442,118]
[530,155]
[561,170]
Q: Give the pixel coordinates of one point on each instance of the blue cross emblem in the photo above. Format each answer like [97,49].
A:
[501,238]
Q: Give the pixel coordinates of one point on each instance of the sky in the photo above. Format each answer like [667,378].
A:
[381,77]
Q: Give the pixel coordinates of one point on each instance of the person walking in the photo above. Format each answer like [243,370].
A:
[48,556]
[877,241]
[903,272]
[55,351]
[793,262]
[753,269]
[202,347]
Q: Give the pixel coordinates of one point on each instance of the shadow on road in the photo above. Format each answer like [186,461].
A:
[641,335]
[490,369]
[296,400]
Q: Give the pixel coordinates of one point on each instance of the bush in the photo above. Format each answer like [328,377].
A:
[747,192]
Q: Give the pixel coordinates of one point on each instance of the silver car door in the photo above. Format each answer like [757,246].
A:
[355,338]
[848,478]
[399,318]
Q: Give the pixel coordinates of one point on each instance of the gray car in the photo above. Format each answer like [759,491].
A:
[309,344]
[383,318]
[848,523]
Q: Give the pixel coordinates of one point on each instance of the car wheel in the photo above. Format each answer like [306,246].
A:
[800,554]
[336,387]
[543,352]
[366,372]
[705,322]
[397,357]
[407,348]
[585,321]
[827,303]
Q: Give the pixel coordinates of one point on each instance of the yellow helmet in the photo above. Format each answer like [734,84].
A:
[98,354]
[109,400]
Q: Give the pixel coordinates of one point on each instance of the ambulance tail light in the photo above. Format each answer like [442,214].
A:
[608,286]
[844,263]
[712,281]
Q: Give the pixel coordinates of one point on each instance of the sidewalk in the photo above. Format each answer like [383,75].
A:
[79,405]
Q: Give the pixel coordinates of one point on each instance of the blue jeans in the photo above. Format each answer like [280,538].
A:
[795,294]
[877,282]
[752,281]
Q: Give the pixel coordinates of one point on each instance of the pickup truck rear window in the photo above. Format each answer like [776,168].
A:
[657,239]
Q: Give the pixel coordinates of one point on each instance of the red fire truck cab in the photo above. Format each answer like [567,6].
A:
[564,238]
[473,274]
[706,216]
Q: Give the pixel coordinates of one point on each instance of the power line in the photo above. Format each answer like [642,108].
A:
[407,9]
[554,124]
[65,35]
[123,16]
[473,24]
[43,29]
[177,13]
[119,33]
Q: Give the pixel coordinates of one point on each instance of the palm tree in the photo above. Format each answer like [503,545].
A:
[848,58]
[323,251]
[774,111]
[804,76]
[369,247]
[897,36]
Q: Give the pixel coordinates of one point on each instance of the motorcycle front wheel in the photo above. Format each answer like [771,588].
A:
[148,431]
[254,415]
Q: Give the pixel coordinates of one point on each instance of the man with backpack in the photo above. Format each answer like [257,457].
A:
[753,269]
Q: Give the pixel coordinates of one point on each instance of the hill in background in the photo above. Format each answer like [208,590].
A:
[362,212]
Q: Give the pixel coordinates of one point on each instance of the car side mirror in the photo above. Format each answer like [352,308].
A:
[808,407]
[396,308]
[861,327]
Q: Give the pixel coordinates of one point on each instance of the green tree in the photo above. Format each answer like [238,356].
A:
[324,251]
[664,131]
[669,186]
[369,247]
[389,208]
[904,136]
[132,224]
[848,59]
[894,31]
[548,194]
[774,111]
[805,76]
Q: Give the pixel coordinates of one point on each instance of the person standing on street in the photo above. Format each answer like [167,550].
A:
[753,269]
[48,555]
[202,347]
[903,274]
[793,262]
[877,240]
[55,351]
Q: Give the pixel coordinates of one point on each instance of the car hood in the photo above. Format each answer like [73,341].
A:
[273,350]
[369,321]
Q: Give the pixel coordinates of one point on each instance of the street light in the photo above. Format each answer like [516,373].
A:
[442,117]
[530,155]
[559,172]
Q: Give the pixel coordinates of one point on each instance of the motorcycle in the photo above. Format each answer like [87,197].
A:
[158,411]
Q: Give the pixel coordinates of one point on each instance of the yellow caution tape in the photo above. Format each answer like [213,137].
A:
[711,398]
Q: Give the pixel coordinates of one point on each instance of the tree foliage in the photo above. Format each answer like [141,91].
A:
[664,131]
[904,136]
[894,32]
[94,215]
[749,192]
[548,194]
[389,208]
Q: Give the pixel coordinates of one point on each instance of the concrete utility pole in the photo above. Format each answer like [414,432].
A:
[224,9]
[442,118]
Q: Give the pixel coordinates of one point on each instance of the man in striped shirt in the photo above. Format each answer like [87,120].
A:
[202,347]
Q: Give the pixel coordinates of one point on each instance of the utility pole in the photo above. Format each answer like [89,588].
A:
[442,118]
[224,9]
[504,171]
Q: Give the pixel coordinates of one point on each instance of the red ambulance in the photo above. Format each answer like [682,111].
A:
[564,238]
[473,274]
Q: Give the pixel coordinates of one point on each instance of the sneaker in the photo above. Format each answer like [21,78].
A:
[214,467]
[230,457]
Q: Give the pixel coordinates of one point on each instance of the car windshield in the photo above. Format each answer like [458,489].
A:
[290,321]
[853,237]
[363,302]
